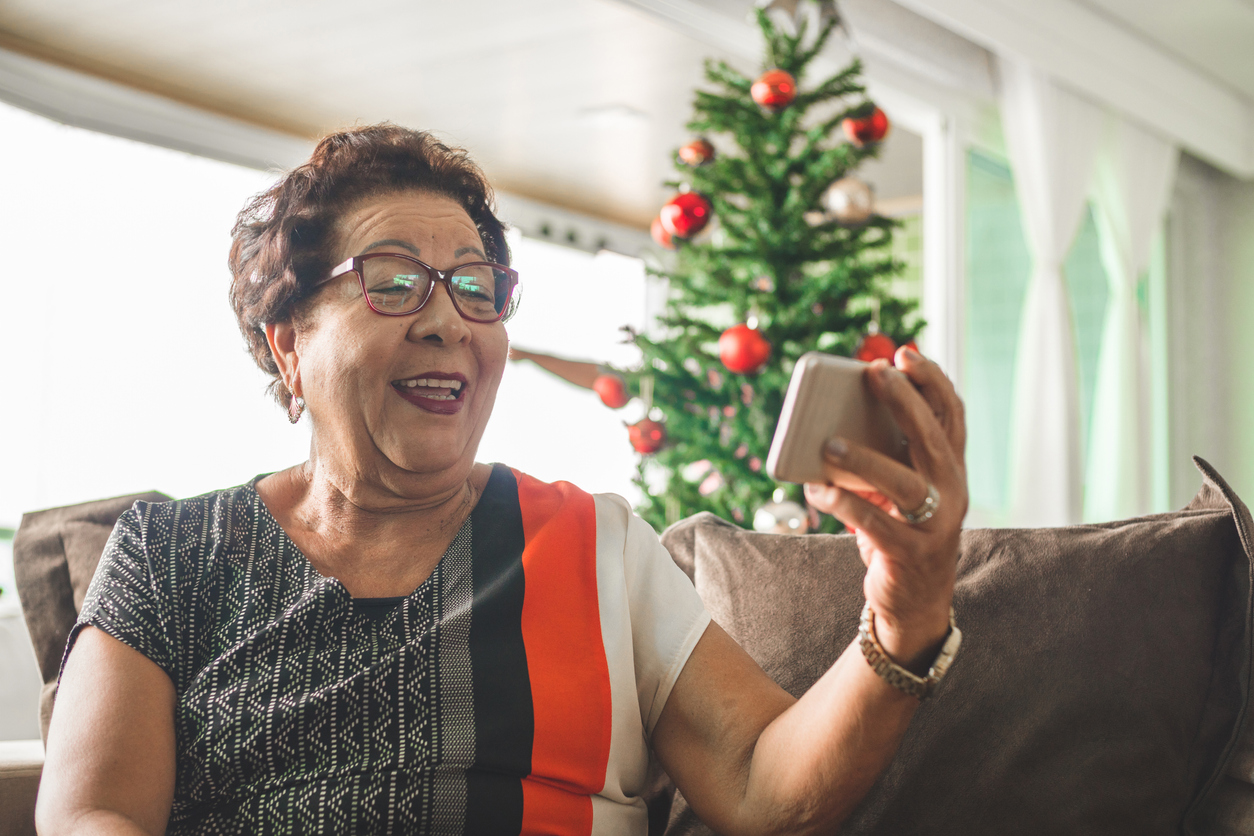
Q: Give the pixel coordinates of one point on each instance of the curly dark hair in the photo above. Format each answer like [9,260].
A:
[282,239]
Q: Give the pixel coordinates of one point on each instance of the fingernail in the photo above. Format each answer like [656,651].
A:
[913,355]
[837,447]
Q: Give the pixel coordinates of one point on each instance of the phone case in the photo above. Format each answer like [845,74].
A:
[829,396]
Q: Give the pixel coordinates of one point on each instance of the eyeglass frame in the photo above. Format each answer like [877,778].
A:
[354,265]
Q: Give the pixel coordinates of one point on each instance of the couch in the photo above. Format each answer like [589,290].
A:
[1103,685]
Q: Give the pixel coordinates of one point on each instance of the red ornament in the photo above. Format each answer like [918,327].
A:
[612,389]
[774,90]
[697,152]
[875,346]
[647,436]
[742,349]
[867,130]
[660,235]
[686,214]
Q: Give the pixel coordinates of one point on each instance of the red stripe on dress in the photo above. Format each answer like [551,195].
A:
[570,678]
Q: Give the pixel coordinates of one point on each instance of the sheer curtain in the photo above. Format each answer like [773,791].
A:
[1131,190]
[1053,137]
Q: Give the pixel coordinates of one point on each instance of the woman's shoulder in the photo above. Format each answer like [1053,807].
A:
[529,488]
[212,517]
[615,518]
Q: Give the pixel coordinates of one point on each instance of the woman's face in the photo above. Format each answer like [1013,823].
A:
[391,395]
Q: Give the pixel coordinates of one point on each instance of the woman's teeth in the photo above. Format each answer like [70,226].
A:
[440,389]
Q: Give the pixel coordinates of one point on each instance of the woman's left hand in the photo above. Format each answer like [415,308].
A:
[910,567]
[747,756]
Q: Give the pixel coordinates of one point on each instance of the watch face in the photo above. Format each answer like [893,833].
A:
[948,651]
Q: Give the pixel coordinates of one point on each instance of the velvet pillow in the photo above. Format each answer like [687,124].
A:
[1101,686]
[55,554]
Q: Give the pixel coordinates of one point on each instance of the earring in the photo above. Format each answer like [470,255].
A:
[294,409]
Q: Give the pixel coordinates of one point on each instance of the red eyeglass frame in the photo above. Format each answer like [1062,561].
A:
[354,265]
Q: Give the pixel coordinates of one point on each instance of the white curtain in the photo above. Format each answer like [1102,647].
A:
[1053,137]
[1131,189]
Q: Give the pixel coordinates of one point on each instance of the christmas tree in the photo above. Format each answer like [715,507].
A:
[777,254]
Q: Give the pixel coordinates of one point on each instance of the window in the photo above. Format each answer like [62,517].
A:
[141,379]
[998,268]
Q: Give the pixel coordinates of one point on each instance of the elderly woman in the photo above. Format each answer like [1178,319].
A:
[392,637]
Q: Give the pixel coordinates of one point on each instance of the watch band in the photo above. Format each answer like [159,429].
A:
[895,675]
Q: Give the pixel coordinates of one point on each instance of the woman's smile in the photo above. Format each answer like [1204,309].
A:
[443,393]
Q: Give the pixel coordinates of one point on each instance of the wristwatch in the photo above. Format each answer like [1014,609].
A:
[893,673]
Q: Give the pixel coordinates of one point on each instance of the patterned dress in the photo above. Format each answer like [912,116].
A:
[512,692]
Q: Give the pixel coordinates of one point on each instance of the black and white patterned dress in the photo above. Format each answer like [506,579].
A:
[512,692]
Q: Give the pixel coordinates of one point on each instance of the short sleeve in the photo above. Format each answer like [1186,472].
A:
[667,617]
[125,598]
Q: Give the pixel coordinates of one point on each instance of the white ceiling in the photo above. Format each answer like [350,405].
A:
[1216,36]
[577,103]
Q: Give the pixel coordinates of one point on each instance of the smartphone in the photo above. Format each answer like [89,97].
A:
[829,396]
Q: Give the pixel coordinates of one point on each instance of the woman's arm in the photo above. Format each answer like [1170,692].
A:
[110,761]
[748,757]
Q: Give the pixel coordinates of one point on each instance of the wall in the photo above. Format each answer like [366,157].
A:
[1209,306]
[1239,343]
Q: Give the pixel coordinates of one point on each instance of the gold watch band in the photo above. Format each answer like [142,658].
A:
[895,675]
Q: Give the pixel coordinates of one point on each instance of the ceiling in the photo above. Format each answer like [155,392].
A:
[575,103]
[1215,36]
[578,104]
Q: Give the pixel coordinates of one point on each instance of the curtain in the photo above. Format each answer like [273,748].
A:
[1131,190]
[1053,137]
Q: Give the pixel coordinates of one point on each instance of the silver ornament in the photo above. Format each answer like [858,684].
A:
[849,200]
[785,517]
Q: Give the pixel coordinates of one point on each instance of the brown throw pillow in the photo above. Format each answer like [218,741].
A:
[1101,687]
[55,553]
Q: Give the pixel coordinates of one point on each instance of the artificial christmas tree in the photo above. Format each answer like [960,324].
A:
[772,253]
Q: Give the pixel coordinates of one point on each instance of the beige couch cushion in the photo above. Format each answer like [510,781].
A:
[1104,673]
[55,554]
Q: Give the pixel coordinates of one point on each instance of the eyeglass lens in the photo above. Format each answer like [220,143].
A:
[397,286]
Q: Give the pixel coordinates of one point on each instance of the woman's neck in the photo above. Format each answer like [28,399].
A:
[377,540]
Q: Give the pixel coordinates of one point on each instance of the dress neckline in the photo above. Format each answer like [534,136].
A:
[336,583]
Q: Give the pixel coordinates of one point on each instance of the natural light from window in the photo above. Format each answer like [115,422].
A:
[121,367]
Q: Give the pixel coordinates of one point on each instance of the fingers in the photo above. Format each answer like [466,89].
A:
[938,391]
[860,515]
[861,469]
[929,412]
[930,450]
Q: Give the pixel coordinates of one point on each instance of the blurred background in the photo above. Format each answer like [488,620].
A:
[1099,334]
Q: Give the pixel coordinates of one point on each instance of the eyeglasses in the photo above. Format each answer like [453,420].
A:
[398,285]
